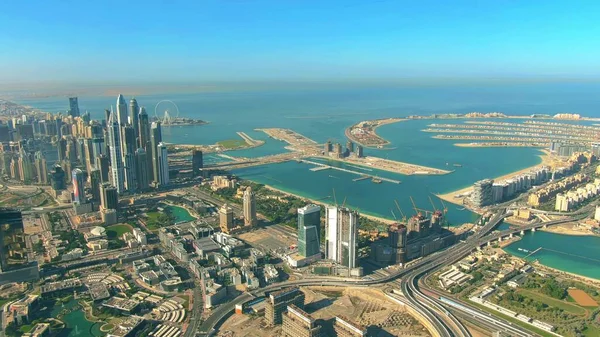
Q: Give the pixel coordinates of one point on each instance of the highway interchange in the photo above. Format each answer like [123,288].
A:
[430,307]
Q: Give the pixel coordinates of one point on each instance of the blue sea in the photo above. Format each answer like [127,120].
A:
[323,112]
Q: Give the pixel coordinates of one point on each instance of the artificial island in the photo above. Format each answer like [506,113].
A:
[109,230]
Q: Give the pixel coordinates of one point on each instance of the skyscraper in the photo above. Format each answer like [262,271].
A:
[78,186]
[41,168]
[225,218]
[309,229]
[13,252]
[57,178]
[144,130]
[25,166]
[121,111]
[116,160]
[341,236]
[95,181]
[102,164]
[134,111]
[73,107]
[163,164]
[61,146]
[142,174]
[249,207]
[129,162]
[155,139]
[197,162]
[109,198]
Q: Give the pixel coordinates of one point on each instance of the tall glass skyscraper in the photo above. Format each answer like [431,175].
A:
[78,186]
[73,107]
[309,230]
[116,161]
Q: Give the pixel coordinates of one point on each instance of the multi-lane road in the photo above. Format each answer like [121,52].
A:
[430,306]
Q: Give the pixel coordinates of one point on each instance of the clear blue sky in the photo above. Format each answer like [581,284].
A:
[199,40]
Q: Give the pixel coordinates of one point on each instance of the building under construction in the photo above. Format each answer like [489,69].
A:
[278,302]
[297,323]
[343,327]
[422,235]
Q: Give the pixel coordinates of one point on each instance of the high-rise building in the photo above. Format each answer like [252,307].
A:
[343,327]
[482,193]
[249,207]
[327,148]
[109,198]
[78,186]
[26,170]
[225,218]
[116,160]
[73,107]
[341,236]
[121,111]
[155,139]
[277,303]
[359,151]
[349,147]
[13,251]
[197,162]
[95,181]
[309,229]
[61,146]
[129,162]
[102,164]
[141,165]
[57,178]
[163,164]
[41,168]
[134,110]
[297,323]
[397,235]
[89,154]
[144,130]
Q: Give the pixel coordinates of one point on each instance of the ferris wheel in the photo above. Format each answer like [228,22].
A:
[166,111]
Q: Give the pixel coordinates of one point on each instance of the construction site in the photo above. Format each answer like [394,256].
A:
[370,309]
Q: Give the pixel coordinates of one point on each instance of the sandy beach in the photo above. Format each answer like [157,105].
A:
[577,277]
[451,197]
[371,217]
[567,229]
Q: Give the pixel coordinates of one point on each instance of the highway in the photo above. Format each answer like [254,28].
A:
[411,275]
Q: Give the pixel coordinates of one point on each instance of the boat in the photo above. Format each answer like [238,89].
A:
[457,165]
[376,180]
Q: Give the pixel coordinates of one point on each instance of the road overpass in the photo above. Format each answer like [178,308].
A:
[412,273]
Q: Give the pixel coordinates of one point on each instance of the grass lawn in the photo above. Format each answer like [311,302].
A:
[186,298]
[232,143]
[553,302]
[152,223]
[117,231]
[591,331]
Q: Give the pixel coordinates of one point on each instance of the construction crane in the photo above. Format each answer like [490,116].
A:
[334,198]
[400,210]
[432,204]
[419,210]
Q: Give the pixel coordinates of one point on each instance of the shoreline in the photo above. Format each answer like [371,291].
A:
[317,202]
[581,278]
[381,122]
[451,196]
